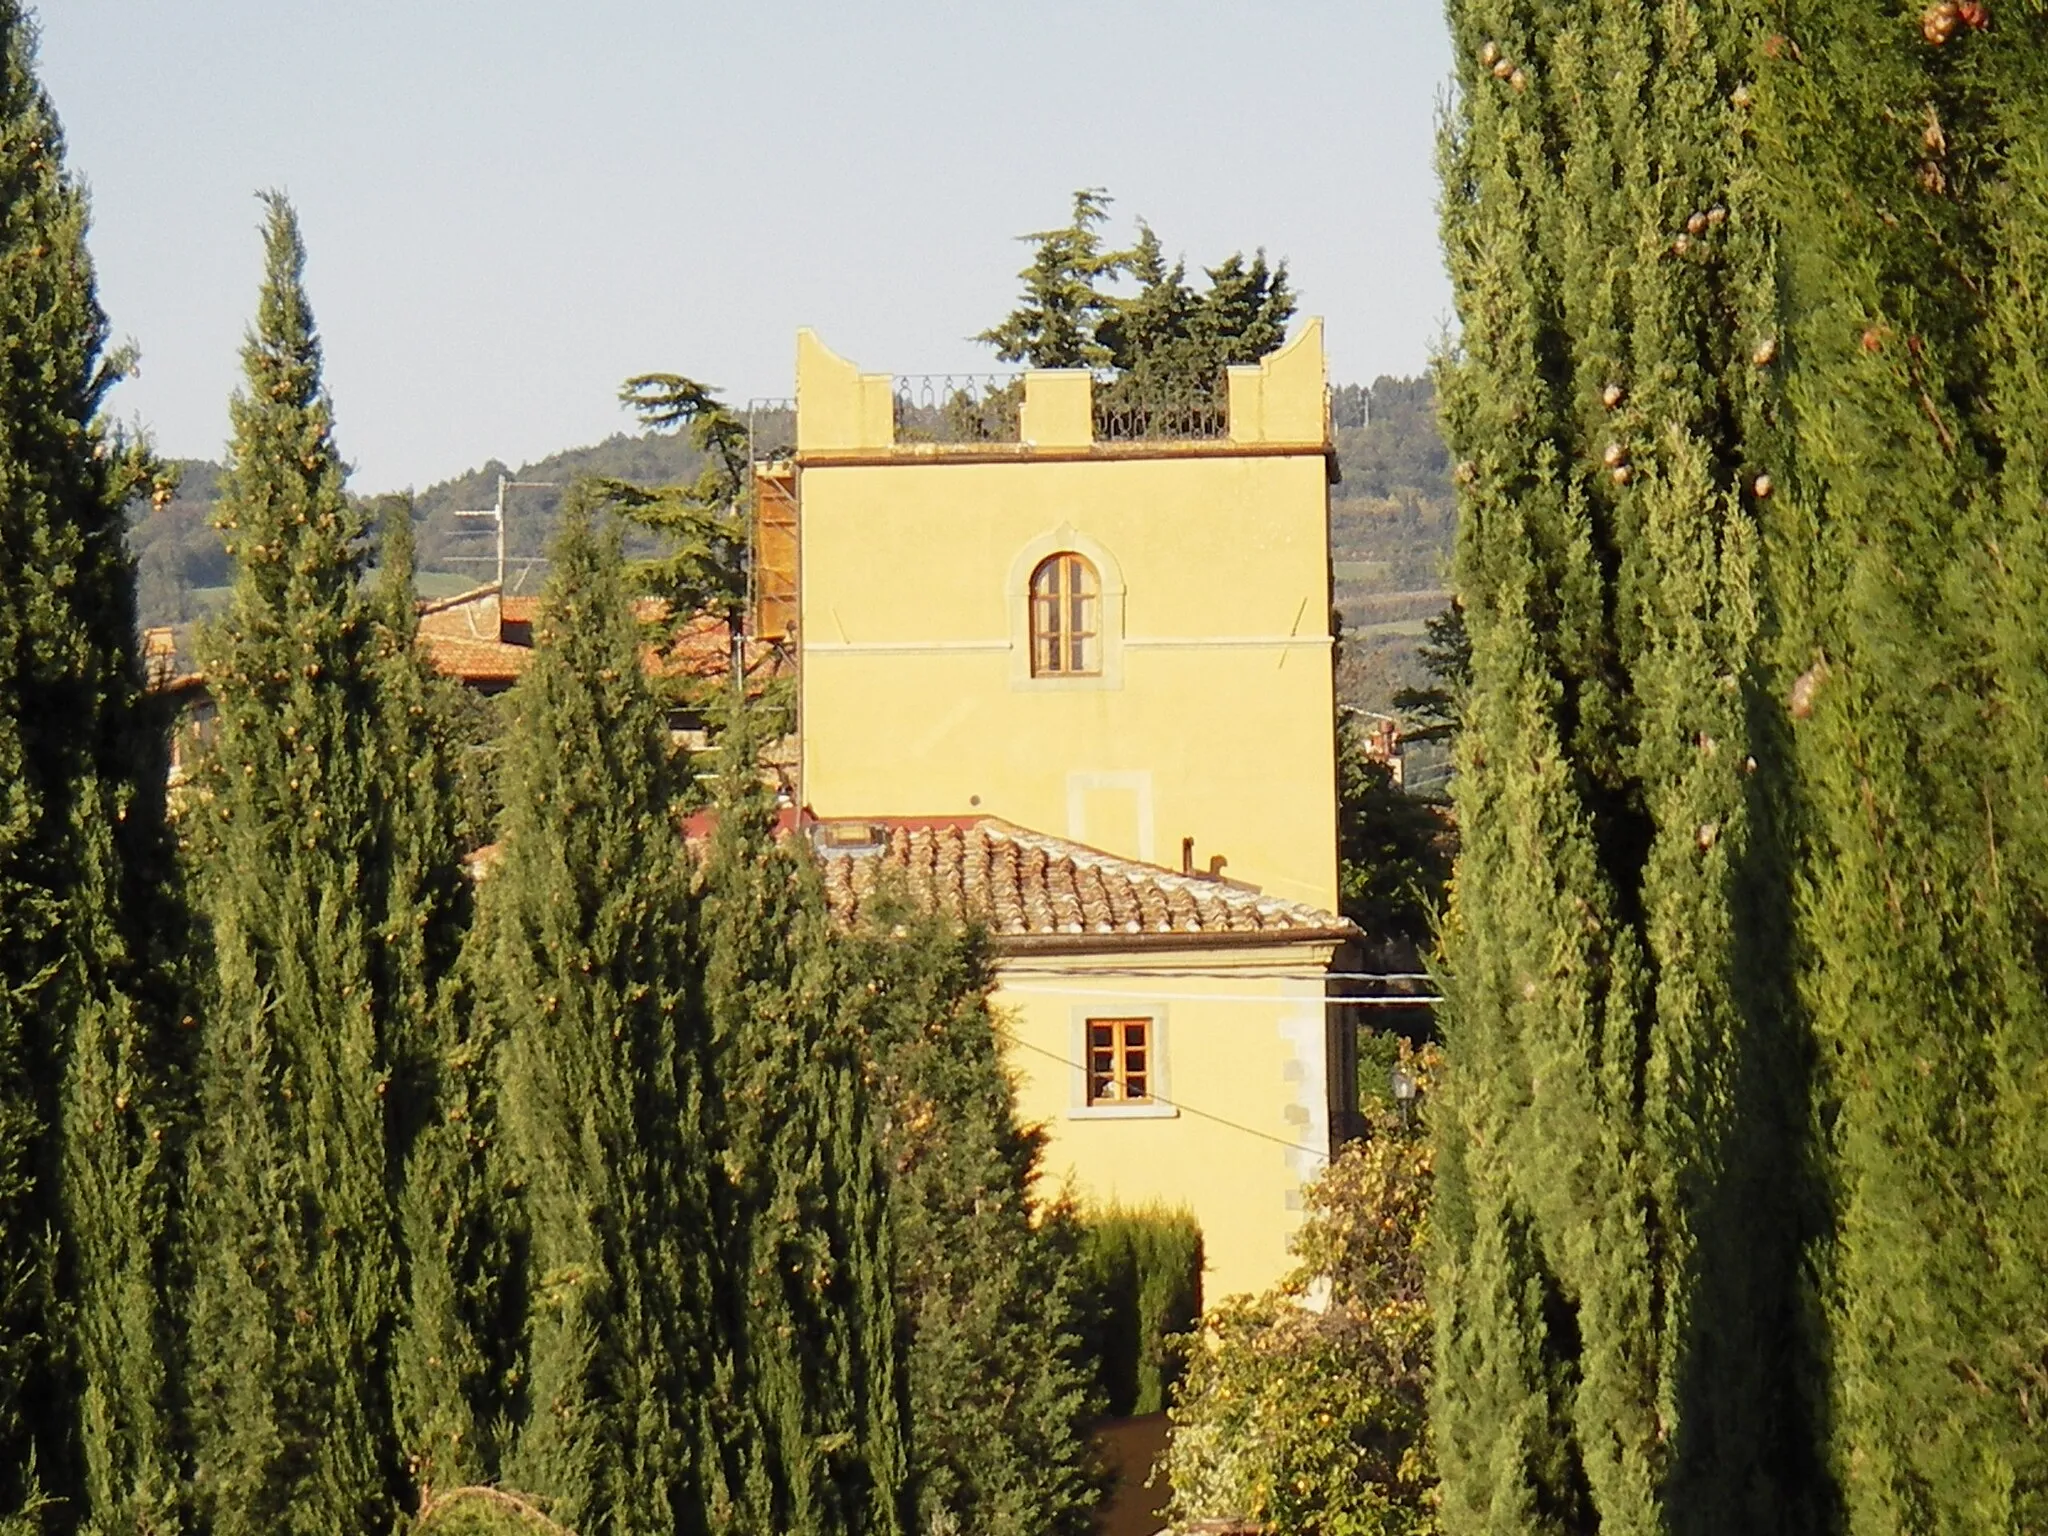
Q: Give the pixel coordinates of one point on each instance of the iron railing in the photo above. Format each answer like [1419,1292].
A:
[958,407]
[965,408]
[1129,410]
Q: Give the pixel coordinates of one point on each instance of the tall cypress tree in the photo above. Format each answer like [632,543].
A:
[1619,1206]
[1910,149]
[317,979]
[1000,1398]
[813,1402]
[448,1358]
[601,1116]
[86,1072]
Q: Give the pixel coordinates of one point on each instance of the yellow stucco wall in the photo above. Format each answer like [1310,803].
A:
[1213,719]
[1242,1056]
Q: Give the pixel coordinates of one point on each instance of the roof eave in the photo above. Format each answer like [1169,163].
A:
[1116,943]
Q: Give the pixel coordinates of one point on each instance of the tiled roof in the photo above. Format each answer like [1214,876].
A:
[475,658]
[464,637]
[1034,889]
[482,638]
[703,649]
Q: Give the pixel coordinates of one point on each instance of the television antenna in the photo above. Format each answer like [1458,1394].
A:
[496,513]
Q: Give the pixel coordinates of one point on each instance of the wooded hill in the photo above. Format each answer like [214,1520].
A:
[1391,522]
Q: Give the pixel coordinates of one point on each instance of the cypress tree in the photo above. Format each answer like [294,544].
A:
[813,1403]
[87,1074]
[1910,149]
[989,1283]
[319,918]
[601,1117]
[1619,1335]
[448,1359]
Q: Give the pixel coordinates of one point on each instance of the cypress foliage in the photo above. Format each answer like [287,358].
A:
[814,1403]
[602,1114]
[447,1372]
[1000,1399]
[1911,153]
[1619,1332]
[321,916]
[87,1076]
[1142,1270]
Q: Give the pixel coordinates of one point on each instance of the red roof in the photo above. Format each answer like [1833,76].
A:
[480,637]
[1028,886]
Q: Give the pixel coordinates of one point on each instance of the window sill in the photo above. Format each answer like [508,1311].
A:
[1067,683]
[1123,1112]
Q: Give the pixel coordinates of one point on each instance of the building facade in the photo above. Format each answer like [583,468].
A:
[1095,633]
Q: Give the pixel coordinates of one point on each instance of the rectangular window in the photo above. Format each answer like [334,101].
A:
[1119,1061]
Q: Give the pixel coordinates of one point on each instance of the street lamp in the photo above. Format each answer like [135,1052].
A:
[1405,1089]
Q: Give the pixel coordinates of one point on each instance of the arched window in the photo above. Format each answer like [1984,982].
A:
[1066,618]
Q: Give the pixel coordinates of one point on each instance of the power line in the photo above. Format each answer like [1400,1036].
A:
[1186,1109]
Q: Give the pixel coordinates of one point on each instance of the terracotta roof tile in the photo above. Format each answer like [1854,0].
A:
[472,659]
[1027,885]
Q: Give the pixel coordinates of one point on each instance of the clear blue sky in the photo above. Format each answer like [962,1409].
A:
[512,205]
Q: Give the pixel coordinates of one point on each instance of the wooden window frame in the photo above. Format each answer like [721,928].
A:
[1088,1102]
[1066,616]
[1119,1061]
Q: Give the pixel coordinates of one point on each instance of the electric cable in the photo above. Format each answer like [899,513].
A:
[1186,1109]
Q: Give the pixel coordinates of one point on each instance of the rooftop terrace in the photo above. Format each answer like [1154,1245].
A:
[840,414]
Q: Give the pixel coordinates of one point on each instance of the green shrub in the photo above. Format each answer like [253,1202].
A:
[1304,1410]
[1142,1277]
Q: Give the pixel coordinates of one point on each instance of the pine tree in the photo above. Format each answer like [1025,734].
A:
[83,1209]
[813,1408]
[1165,342]
[1909,566]
[1054,323]
[601,1119]
[318,983]
[1000,1400]
[1147,333]
[1621,1195]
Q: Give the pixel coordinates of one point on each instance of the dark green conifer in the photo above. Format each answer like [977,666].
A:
[1054,323]
[1000,1400]
[448,1358]
[1910,575]
[814,1414]
[1619,1218]
[87,1073]
[321,920]
[1167,343]
[601,1119]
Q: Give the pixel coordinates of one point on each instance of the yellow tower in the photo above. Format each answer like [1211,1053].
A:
[1111,626]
